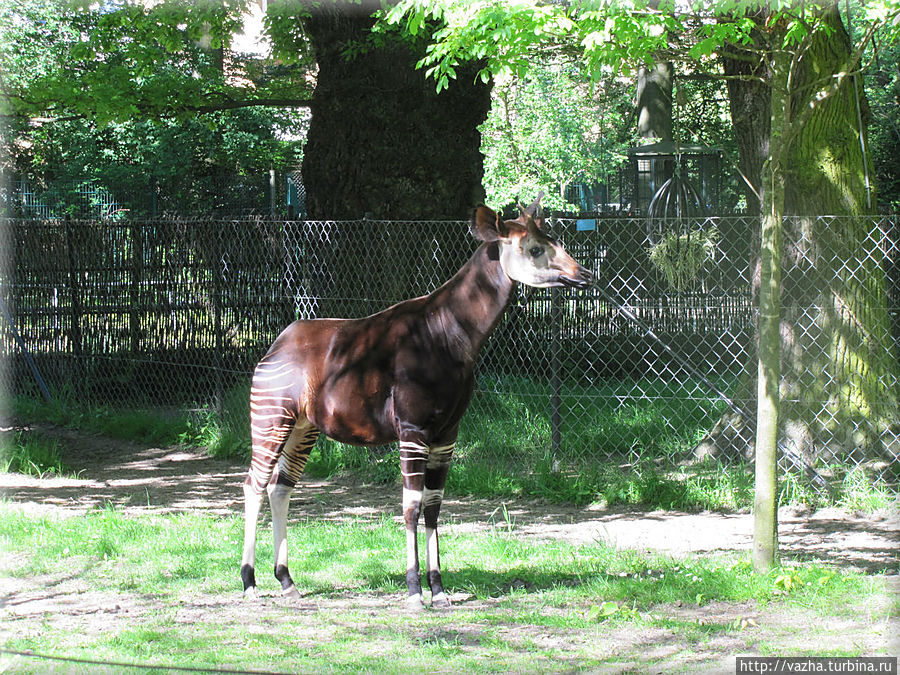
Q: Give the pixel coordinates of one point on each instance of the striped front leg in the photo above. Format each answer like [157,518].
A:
[424,472]
[436,468]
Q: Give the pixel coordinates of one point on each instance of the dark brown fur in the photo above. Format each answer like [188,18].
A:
[407,369]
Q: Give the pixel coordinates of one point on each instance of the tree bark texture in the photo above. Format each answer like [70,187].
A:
[750,97]
[381,140]
[837,353]
[654,101]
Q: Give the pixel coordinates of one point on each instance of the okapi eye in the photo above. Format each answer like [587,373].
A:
[536,251]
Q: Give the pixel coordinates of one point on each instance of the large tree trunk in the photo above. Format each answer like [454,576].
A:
[654,98]
[837,356]
[750,98]
[381,141]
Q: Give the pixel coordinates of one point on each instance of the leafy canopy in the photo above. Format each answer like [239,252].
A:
[127,59]
[608,37]
[125,91]
[550,129]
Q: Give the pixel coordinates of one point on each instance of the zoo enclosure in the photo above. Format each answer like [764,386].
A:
[648,366]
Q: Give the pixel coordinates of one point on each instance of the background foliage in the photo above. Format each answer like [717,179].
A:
[549,127]
[883,94]
[113,91]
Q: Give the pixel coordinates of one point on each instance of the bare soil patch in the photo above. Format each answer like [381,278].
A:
[143,479]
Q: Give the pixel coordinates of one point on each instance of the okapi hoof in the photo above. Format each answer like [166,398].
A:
[440,601]
[290,592]
[250,593]
[414,603]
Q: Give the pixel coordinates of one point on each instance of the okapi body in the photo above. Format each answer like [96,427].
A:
[404,374]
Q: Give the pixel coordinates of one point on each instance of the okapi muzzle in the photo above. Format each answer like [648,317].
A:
[405,374]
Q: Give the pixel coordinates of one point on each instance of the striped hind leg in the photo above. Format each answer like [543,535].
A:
[280,448]
[290,466]
[270,426]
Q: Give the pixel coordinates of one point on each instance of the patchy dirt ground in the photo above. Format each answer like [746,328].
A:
[166,480]
[136,477]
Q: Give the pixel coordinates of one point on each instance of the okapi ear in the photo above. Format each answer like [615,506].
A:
[487,225]
[533,214]
[536,212]
[534,209]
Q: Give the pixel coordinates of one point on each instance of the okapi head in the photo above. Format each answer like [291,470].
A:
[526,252]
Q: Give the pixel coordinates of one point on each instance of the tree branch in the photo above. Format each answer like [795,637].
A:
[175,111]
[251,103]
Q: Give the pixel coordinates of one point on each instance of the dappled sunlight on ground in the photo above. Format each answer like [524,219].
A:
[131,475]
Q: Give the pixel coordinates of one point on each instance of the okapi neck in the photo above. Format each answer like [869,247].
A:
[475,300]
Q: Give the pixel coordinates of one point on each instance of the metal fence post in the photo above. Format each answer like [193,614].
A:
[272,192]
[555,377]
[218,273]
[79,371]
[134,317]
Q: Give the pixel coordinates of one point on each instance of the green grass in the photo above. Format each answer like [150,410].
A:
[31,455]
[623,417]
[171,554]
[166,565]
[224,434]
[856,493]
[148,426]
[623,442]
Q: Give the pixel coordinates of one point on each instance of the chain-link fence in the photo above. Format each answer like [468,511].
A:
[655,365]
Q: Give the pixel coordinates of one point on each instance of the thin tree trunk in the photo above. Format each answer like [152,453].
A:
[765,502]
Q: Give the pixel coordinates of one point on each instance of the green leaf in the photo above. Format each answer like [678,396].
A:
[602,612]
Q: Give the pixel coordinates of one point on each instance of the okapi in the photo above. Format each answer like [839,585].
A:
[404,374]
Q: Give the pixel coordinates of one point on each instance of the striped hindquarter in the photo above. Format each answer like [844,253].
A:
[282,439]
